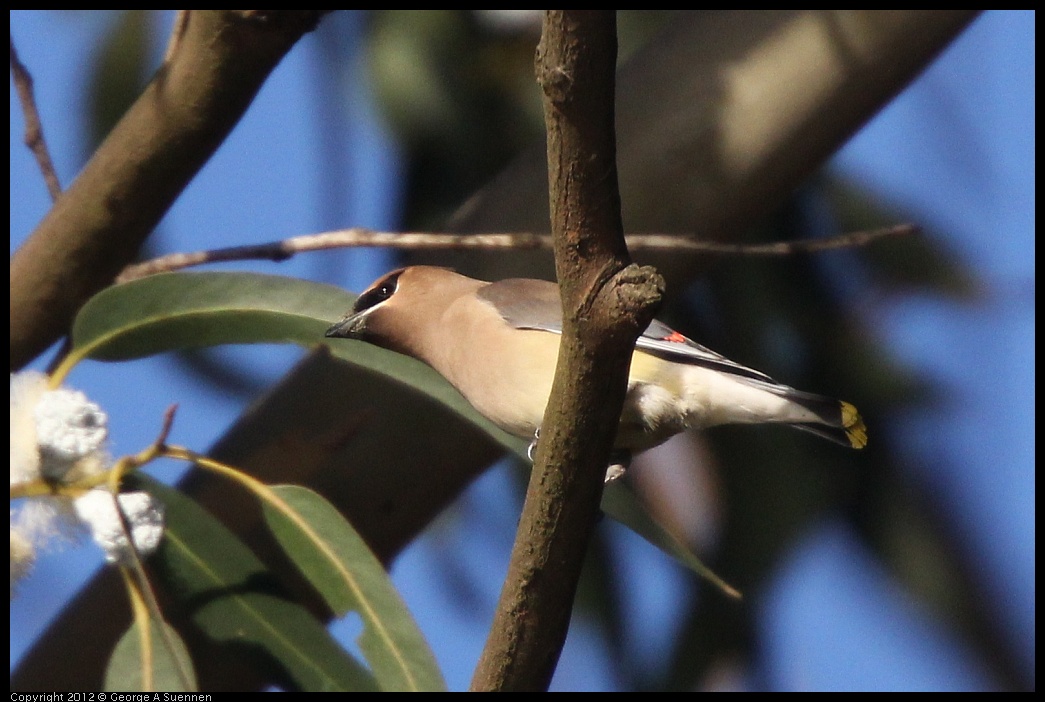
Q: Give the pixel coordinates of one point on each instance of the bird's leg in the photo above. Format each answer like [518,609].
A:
[620,459]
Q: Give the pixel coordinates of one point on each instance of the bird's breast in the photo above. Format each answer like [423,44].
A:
[508,377]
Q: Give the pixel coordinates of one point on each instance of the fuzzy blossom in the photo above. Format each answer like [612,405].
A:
[58,436]
[55,434]
[144,516]
[71,432]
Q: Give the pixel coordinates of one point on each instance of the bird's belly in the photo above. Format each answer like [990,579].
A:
[652,414]
[512,392]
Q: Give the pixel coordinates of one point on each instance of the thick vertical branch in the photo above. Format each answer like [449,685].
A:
[607,302]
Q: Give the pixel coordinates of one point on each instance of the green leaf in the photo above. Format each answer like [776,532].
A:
[342,568]
[173,311]
[236,602]
[132,663]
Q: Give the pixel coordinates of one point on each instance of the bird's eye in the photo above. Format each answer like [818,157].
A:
[377,294]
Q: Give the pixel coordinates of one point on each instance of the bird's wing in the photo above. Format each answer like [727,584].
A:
[661,340]
[535,304]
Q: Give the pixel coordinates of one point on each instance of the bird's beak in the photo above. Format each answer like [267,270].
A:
[351,326]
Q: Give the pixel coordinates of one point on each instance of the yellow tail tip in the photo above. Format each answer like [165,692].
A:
[853,423]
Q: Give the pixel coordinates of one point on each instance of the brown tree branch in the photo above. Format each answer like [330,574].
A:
[96,226]
[607,302]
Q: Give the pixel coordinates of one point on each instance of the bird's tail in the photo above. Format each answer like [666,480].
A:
[839,421]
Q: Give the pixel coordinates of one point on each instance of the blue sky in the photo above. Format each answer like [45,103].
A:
[955,151]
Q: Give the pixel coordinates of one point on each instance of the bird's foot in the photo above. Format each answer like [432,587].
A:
[533,444]
[619,462]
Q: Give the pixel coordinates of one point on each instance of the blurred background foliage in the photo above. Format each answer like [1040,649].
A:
[456,90]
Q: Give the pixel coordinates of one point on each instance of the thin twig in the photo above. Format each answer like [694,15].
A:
[360,237]
[779,248]
[168,423]
[34,133]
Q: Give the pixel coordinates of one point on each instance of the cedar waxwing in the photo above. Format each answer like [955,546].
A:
[498,344]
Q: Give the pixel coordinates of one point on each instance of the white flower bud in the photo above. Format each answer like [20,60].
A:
[144,517]
[68,427]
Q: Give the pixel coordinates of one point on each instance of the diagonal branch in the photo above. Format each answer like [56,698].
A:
[722,115]
[96,226]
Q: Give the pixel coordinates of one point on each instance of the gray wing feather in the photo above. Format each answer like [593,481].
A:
[535,304]
[526,303]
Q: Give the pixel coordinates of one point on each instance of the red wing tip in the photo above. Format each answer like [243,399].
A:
[675,337]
